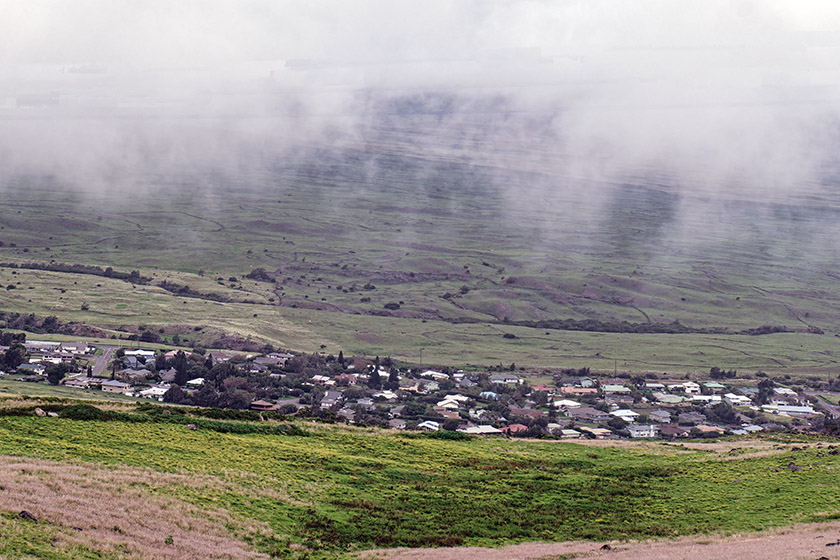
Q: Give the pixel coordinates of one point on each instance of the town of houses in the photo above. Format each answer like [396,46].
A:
[576,404]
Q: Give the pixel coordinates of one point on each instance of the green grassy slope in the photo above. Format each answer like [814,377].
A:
[342,489]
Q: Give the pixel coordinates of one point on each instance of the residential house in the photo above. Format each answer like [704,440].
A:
[397,423]
[503,378]
[330,399]
[643,430]
[589,414]
[714,386]
[598,433]
[515,429]
[790,410]
[81,382]
[73,347]
[665,398]
[569,433]
[530,412]
[35,369]
[488,395]
[691,418]
[674,430]
[168,375]
[737,400]
[346,379]
[155,392]
[620,389]
[691,388]
[480,430]
[566,403]
[626,414]
[115,386]
[448,414]
[578,391]
[660,416]
[429,425]
[347,414]
[431,374]
[263,406]
[467,383]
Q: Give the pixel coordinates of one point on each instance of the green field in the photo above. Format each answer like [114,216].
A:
[335,489]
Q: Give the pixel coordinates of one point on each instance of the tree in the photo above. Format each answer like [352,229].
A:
[56,372]
[175,395]
[765,389]
[341,357]
[14,356]
[180,364]
[393,379]
[160,361]
[375,380]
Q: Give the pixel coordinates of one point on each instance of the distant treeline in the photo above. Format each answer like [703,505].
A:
[597,325]
[133,276]
[675,327]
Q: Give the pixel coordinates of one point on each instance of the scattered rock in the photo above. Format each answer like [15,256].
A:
[834,543]
[191,427]
[794,467]
[40,412]
[26,515]
[606,547]
[52,414]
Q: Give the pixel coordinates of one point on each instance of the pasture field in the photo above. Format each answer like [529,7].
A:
[387,253]
[330,489]
[114,306]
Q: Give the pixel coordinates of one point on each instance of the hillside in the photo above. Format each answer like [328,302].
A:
[151,485]
[380,245]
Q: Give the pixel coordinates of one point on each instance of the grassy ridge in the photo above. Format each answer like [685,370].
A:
[349,488]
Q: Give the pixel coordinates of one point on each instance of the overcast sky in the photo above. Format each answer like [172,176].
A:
[742,90]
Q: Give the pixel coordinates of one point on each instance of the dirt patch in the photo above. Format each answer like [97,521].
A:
[369,337]
[122,508]
[796,543]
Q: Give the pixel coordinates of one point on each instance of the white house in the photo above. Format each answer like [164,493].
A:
[643,430]
[480,430]
[737,400]
[429,425]
[691,388]
[626,414]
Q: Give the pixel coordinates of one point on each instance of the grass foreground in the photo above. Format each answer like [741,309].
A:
[150,488]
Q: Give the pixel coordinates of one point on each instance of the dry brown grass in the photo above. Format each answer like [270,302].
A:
[128,509]
[796,543]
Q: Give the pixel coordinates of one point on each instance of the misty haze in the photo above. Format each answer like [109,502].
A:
[468,221]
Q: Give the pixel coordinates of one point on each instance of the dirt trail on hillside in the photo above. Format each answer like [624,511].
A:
[802,542]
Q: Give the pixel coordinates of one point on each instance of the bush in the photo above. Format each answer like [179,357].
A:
[83,412]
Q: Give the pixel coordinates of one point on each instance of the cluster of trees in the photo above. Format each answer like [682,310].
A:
[185,291]
[30,322]
[134,276]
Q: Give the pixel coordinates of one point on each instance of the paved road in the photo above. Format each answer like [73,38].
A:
[100,363]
